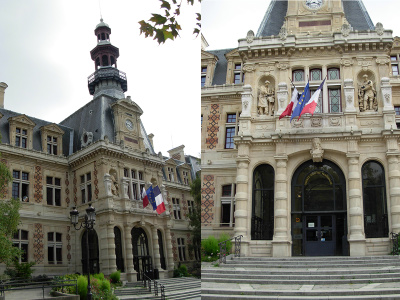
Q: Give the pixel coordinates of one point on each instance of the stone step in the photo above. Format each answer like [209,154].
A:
[187,294]
[307,265]
[250,297]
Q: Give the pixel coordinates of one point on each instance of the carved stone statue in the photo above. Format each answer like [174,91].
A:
[367,95]
[114,186]
[266,100]
[317,152]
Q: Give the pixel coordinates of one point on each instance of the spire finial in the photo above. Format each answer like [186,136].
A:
[101,16]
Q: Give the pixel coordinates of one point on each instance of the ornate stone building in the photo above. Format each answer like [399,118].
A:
[326,184]
[101,154]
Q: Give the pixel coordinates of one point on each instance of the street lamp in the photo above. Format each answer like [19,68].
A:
[90,219]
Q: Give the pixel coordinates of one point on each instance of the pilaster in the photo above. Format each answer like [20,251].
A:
[282,97]
[130,270]
[392,156]
[170,254]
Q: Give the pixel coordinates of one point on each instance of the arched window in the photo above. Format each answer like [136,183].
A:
[262,220]
[374,199]
[94,265]
[142,261]
[118,249]
[105,60]
[103,37]
[112,61]
[315,74]
[298,75]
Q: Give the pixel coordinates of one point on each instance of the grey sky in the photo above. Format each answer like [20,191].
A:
[226,21]
[45,60]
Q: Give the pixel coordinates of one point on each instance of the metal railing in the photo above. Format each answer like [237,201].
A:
[162,291]
[15,285]
[147,284]
[148,280]
[395,243]
[222,248]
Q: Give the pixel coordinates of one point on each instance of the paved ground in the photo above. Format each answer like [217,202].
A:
[30,294]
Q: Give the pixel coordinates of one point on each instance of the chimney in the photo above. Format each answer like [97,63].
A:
[177,153]
[3,87]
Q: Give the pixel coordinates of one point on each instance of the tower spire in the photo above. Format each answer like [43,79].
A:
[106,79]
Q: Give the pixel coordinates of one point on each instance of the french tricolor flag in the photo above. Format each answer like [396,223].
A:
[311,104]
[289,109]
[159,200]
[145,198]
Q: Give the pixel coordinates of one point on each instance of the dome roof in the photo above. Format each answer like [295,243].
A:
[102,24]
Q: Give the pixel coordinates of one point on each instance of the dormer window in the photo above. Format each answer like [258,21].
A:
[185,177]
[51,145]
[21,137]
[170,174]
[203,76]
[238,75]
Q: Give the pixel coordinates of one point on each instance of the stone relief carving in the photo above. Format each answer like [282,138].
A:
[86,138]
[334,121]
[282,66]
[346,29]
[382,61]
[316,122]
[367,95]
[346,62]
[379,28]
[387,98]
[114,184]
[250,36]
[283,33]
[316,151]
[248,68]
[297,123]
[266,100]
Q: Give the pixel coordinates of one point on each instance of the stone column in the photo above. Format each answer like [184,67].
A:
[356,236]
[242,197]
[156,248]
[170,254]
[281,240]
[392,155]
[130,270]
[325,104]
[110,238]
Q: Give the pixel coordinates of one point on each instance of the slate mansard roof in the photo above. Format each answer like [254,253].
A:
[354,11]
[36,139]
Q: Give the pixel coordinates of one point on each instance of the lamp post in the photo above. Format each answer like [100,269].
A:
[90,219]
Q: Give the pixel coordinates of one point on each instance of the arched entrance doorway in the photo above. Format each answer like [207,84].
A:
[319,218]
[140,249]
[94,265]
[118,249]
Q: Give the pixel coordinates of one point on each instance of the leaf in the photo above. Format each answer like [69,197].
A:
[196,31]
[159,36]
[177,11]
[158,19]
[198,17]
[168,35]
[165,4]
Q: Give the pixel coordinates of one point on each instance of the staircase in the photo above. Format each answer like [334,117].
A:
[332,277]
[175,289]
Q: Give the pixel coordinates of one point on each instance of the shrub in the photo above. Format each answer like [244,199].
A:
[115,277]
[224,237]
[82,287]
[20,270]
[99,276]
[181,271]
[210,245]
[105,285]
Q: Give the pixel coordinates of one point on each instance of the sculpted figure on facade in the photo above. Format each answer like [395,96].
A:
[266,100]
[114,185]
[367,95]
[317,152]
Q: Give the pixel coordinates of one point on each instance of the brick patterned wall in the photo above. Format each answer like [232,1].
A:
[171,205]
[176,156]
[96,182]
[213,128]
[68,244]
[174,247]
[75,190]
[67,200]
[207,200]
[38,185]
[4,188]
[38,251]
[185,211]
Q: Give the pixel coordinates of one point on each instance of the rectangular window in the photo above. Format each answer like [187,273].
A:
[171,174]
[86,187]
[315,74]
[54,248]
[228,205]
[21,137]
[203,76]
[397,110]
[190,206]
[395,70]
[334,100]
[53,191]
[134,182]
[20,186]
[181,249]
[20,240]
[318,109]
[177,208]
[232,127]
[185,177]
[52,145]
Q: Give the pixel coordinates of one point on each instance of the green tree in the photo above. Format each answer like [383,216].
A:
[165,26]
[9,220]
[195,216]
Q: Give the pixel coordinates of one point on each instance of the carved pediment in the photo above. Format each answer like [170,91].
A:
[127,104]
[22,119]
[207,55]
[52,128]
[171,162]
[232,54]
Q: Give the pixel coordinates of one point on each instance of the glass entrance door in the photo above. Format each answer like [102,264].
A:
[319,235]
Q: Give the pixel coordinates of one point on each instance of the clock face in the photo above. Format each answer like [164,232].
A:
[313,4]
[129,124]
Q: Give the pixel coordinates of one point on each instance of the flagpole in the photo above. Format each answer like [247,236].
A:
[292,82]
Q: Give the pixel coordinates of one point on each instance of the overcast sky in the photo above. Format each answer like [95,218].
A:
[226,21]
[45,60]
